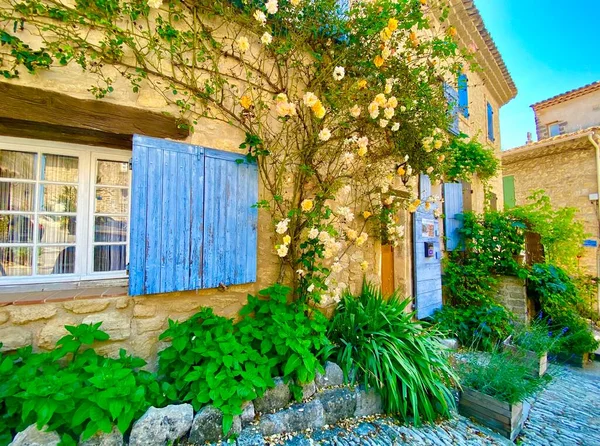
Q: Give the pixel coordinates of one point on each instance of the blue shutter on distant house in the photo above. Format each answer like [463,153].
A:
[452,98]
[490,121]
[453,214]
[230,226]
[463,95]
[180,196]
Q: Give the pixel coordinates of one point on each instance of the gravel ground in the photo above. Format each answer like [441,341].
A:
[567,412]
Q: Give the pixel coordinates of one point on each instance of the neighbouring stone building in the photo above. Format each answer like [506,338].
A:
[85,146]
[564,161]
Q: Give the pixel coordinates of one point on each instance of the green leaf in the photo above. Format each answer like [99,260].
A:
[293,362]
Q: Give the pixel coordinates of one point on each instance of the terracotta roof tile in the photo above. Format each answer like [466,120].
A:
[571,94]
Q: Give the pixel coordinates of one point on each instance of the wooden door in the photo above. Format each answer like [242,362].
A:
[427,256]
[388,285]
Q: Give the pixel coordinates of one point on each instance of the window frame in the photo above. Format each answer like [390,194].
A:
[549,127]
[87,156]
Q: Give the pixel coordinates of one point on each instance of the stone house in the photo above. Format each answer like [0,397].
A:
[67,231]
[564,161]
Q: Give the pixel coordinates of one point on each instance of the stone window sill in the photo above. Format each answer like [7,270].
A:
[62,295]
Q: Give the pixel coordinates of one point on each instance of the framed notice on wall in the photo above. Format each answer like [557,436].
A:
[428,228]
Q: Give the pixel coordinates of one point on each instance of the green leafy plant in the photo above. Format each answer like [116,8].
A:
[558,300]
[535,337]
[378,342]
[73,390]
[480,327]
[207,364]
[468,157]
[291,335]
[498,375]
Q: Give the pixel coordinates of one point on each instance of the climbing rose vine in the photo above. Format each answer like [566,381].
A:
[339,107]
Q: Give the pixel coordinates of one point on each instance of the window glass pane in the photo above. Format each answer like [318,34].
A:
[16,228]
[17,164]
[110,258]
[15,261]
[60,168]
[56,260]
[16,196]
[110,229]
[57,198]
[110,200]
[56,229]
[554,130]
[113,173]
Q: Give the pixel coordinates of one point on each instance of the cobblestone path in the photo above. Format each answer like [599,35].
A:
[566,413]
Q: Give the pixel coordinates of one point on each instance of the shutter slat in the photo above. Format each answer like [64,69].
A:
[250,175]
[424,187]
[153,219]
[197,218]
[453,209]
[169,222]
[231,221]
[182,243]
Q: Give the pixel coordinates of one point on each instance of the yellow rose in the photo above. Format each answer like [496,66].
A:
[380,100]
[246,102]
[366,214]
[378,61]
[287,239]
[318,110]
[362,84]
[306,205]
[393,24]
[452,31]
[362,151]
[437,144]
[423,2]
[385,34]
[400,171]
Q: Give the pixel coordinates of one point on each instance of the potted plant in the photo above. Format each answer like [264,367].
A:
[531,344]
[494,389]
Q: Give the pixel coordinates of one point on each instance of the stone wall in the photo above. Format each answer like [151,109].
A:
[568,178]
[512,294]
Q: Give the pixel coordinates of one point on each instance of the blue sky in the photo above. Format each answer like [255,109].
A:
[549,47]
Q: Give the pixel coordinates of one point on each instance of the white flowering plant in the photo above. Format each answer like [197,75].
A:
[330,99]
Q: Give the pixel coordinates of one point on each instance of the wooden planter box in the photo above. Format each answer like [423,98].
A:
[504,418]
[539,363]
[574,359]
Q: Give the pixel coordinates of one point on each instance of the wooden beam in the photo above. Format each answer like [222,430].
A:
[49,107]
[49,132]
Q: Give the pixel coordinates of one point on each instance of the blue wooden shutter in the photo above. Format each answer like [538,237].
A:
[453,210]
[490,121]
[463,95]
[230,220]
[166,216]
[452,98]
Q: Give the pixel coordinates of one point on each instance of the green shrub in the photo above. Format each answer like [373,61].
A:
[535,337]
[480,327]
[378,342]
[291,335]
[498,375]
[467,282]
[559,301]
[73,390]
[207,364]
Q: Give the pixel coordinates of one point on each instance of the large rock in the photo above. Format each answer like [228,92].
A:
[368,402]
[114,438]
[250,437]
[274,399]
[157,427]
[338,404]
[86,306]
[32,436]
[208,426]
[334,376]
[248,413]
[308,390]
[22,314]
[296,418]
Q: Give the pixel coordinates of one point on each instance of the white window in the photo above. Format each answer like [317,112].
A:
[64,211]
[554,129]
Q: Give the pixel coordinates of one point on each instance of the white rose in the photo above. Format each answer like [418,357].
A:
[155,4]
[339,73]
[260,17]
[266,38]
[272,6]
[313,233]
[324,135]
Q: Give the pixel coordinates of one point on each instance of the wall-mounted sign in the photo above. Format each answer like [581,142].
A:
[590,243]
[428,228]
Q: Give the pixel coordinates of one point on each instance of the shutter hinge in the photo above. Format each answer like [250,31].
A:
[130,163]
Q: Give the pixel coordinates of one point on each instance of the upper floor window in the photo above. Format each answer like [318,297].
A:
[64,211]
[554,129]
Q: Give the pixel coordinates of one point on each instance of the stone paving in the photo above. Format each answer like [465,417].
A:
[567,412]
